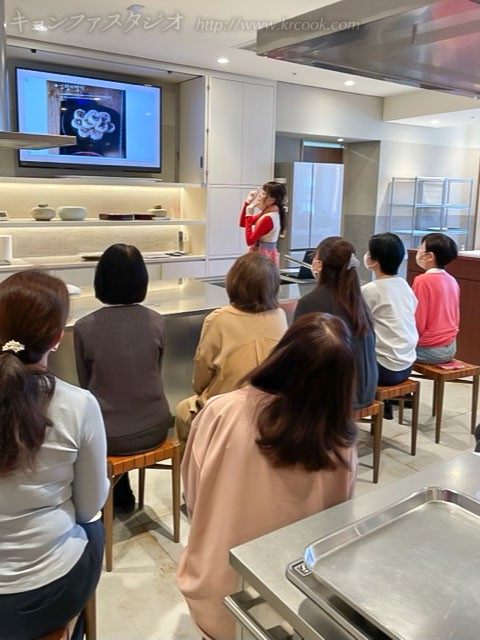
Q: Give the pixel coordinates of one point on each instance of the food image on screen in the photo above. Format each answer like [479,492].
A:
[115,123]
[95,115]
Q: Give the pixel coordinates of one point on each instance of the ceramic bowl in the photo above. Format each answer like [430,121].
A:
[72,213]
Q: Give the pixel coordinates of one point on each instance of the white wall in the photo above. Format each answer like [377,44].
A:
[310,111]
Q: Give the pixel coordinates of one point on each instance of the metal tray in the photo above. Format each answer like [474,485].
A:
[413,569]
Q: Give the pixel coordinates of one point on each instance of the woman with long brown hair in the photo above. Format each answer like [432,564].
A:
[334,265]
[266,455]
[53,477]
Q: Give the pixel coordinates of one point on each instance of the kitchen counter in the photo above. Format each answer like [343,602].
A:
[184,303]
[76,262]
[182,297]
[262,562]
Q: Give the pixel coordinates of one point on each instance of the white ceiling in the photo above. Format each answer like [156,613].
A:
[194,44]
[203,33]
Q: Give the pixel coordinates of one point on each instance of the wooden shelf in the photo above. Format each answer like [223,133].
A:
[103,180]
[26,222]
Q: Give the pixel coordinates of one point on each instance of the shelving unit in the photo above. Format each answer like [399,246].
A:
[424,205]
[26,222]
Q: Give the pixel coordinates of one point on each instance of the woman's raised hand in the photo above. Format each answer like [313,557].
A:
[252,196]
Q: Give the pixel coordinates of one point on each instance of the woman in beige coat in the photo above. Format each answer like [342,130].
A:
[235,338]
[264,456]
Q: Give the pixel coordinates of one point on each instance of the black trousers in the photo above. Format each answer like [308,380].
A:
[28,615]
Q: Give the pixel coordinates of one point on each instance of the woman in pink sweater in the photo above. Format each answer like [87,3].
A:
[264,456]
[438,311]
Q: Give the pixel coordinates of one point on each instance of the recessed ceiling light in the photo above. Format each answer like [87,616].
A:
[223,60]
[339,139]
[349,83]
[136,9]
[434,121]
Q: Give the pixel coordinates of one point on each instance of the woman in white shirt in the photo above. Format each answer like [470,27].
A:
[392,304]
[53,477]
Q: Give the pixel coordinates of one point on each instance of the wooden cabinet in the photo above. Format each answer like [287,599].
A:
[466,270]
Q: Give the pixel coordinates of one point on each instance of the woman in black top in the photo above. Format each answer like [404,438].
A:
[334,265]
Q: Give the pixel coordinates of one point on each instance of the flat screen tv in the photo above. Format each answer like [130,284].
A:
[117,124]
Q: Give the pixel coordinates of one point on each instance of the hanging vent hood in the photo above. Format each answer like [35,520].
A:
[431,45]
[14,139]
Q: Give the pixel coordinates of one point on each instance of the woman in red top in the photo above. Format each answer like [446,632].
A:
[263,229]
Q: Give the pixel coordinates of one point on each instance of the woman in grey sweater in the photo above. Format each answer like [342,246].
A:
[53,478]
[119,351]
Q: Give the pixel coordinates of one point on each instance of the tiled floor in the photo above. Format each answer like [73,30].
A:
[139,600]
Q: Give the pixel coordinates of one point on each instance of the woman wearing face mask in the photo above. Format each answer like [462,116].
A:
[392,305]
[334,265]
[438,311]
[263,229]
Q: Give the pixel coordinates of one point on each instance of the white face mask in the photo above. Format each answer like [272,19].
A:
[315,272]
[366,261]
[420,258]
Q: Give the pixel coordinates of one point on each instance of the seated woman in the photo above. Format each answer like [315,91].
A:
[263,229]
[335,266]
[392,305]
[53,477]
[118,352]
[438,311]
[264,456]
[235,338]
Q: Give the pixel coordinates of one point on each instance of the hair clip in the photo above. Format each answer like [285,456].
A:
[353,263]
[14,346]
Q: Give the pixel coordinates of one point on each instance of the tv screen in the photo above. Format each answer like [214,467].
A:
[117,124]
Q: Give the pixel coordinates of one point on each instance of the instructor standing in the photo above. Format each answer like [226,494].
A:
[263,229]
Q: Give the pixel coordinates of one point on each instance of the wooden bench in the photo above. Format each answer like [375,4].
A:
[440,377]
[118,465]
[398,392]
[90,623]
[373,414]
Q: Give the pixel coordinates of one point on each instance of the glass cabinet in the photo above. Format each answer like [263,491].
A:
[424,205]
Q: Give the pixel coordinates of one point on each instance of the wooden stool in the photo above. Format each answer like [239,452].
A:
[89,620]
[397,392]
[118,465]
[373,414]
[439,377]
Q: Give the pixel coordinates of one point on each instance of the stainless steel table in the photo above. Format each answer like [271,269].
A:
[262,563]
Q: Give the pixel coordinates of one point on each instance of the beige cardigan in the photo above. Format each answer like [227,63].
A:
[231,344]
[234,495]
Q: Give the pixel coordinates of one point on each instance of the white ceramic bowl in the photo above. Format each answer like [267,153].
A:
[72,213]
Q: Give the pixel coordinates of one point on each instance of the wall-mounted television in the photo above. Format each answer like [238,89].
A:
[117,124]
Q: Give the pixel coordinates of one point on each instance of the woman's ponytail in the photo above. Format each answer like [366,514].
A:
[25,394]
[33,311]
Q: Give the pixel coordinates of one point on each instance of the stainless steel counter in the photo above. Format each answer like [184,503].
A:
[262,562]
[184,303]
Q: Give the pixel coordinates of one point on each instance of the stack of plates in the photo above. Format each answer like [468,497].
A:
[116,216]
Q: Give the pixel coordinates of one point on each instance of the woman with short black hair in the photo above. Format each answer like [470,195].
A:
[121,276]
[119,352]
[392,304]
